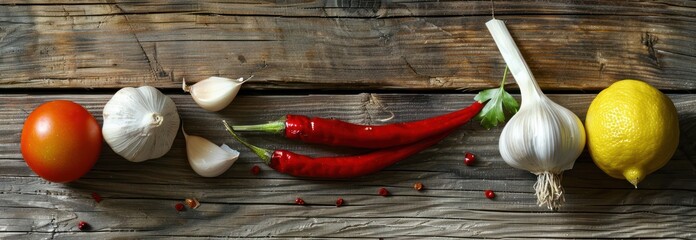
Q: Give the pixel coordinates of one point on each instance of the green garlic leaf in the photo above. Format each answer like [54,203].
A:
[499,103]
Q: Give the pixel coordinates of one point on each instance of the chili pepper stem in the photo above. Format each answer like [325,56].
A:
[263,153]
[277,126]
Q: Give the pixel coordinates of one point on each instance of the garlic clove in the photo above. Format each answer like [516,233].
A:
[214,93]
[208,159]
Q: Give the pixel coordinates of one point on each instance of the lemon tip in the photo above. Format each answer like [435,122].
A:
[635,183]
[634,176]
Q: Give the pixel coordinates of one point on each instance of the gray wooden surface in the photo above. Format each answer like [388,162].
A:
[343,44]
[139,198]
[356,60]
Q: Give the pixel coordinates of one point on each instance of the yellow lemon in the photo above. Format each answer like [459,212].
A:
[632,130]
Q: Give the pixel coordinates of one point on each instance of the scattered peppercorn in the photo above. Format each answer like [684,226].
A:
[83,226]
[339,202]
[384,192]
[299,201]
[179,207]
[489,194]
[192,203]
[96,197]
[255,170]
[469,158]
[418,186]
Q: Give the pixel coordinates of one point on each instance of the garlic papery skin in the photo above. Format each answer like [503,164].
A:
[140,123]
[208,159]
[214,93]
[543,137]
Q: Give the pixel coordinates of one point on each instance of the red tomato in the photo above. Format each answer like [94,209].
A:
[61,141]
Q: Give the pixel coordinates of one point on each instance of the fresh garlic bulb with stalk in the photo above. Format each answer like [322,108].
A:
[206,158]
[214,93]
[542,137]
[140,123]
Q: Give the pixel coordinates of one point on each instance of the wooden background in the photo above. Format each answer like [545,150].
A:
[356,60]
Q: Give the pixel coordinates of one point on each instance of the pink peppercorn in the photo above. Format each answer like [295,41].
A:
[97,198]
[255,170]
[179,207]
[83,226]
[383,192]
[469,159]
[489,194]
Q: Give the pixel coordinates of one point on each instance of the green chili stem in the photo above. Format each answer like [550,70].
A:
[277,126]
[263,153]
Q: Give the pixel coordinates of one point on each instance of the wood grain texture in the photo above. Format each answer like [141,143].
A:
[307,52]
[139,198]
[343,44]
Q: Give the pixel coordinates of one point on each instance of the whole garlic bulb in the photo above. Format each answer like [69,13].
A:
[543,137]
[140,123]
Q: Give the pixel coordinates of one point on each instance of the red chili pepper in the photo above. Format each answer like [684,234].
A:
[339,133]
[298,165]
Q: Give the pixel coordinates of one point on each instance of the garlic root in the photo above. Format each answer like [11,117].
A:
[548,190]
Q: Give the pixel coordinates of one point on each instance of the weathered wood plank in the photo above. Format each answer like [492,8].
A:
[343,44]
[139,198]
[374,8]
